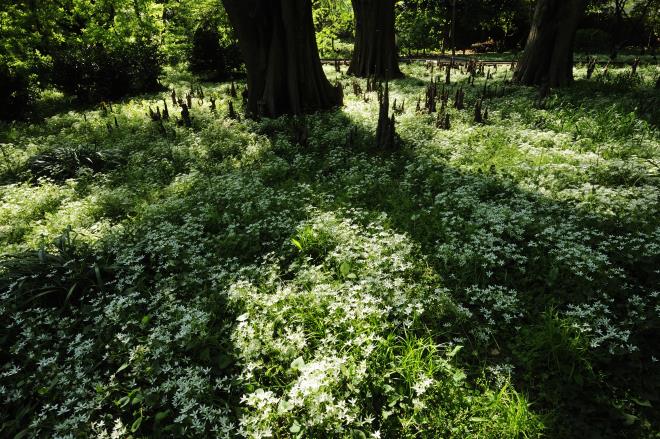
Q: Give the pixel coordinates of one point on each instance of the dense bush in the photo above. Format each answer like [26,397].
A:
[17,91]
[211,57]
[105,71]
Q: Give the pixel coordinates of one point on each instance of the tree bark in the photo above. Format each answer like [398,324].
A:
[278,43]
[548,56]
[375,52]
[619,9]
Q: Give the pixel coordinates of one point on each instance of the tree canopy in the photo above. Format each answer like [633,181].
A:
[96,50]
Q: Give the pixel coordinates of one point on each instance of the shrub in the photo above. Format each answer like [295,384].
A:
[65,162]
[18,91]
[103,71]
[57,278]
[209,56]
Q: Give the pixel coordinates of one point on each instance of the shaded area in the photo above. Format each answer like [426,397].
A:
[206,204]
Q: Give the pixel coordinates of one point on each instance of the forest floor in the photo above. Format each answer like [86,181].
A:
[283,278]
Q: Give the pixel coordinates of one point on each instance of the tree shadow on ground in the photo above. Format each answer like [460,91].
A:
[407,190]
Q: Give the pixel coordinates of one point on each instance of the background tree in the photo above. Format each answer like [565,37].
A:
[375,52]
[646,14]
[182,19]
[211,56]
[619,13]
[425,25]
[106,50]
[548,56]
[504,22]
[279,48]
[420,25]
[20,59]
[333,20]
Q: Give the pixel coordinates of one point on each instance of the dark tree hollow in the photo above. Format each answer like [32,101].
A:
[278,44]
[375,52]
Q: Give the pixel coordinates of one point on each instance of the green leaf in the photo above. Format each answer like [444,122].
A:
[345,268]
[145,320]
[122,402]
[160,416]
[629,419]
[642,402]
[136,424]
[122,367]
[297,243]
[298,363]
[295,428]
[99,280]
[243,317]
[453,352]
[69,295]
[459,376]
[284,406]
[224,361]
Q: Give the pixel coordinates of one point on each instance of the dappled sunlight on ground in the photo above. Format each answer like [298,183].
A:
[489,280]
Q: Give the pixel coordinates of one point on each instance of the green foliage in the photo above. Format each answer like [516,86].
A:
[94,72]
[333,20]
[21,62]
[210,57]
[106,50]
[496,280]
[66,162]
[422,25]
[60,278]
[17,91]
[558,347]
[180,21]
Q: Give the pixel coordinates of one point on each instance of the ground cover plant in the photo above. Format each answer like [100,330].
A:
[218,276]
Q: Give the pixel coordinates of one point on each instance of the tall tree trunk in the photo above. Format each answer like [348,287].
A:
[278,44]
[453,30]
[619,9]
[548,56]
[375,51]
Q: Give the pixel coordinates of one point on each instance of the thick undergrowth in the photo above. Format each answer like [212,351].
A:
[284,278]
